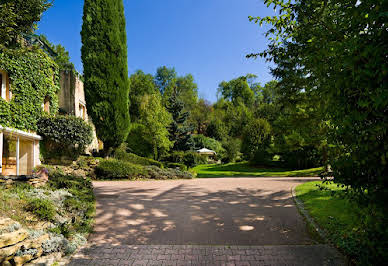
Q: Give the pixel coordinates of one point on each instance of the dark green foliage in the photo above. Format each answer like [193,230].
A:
[217,129]
[179,131]
[104,55]
[19,16]
[256,140]
[33,76]
[180,166]
[117,169]
[137,143]
[303,158]
[64,136]
[43,208]
[232,147]
[122,154]
[200,141]
[188,158]
[191,159]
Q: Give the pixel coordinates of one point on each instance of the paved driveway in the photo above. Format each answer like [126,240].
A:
[213,213]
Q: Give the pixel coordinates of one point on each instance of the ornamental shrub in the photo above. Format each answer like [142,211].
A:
[153,172]
[33,76]
[104,56]
[64,136]
[180,166]
[117,169]
[43,208]
[192,159]
[122,154]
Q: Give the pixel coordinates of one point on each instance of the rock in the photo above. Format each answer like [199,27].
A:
[5,222]
[13,238]
[8,252]
[20,260]
[46,260]
[6,263]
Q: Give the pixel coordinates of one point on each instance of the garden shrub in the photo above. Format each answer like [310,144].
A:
[123,155]
[192,159]
[303,158]
[43,208]
[117,169]
[64,136]
[180,166]
[232,148]
[153,172]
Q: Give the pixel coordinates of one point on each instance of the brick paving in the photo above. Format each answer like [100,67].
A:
[207,255]
[220,221]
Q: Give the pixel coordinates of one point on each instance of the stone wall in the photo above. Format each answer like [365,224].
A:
[72,101]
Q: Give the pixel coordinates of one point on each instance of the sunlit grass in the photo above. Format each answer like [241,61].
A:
[243,169]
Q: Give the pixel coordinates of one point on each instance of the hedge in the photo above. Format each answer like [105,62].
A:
[64,136]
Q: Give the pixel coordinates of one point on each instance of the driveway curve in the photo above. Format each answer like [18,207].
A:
[235,217]
[222,211]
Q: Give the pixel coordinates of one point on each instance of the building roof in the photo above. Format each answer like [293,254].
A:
[206,151]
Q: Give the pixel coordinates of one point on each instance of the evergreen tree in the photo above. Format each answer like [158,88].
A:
[104,55]
[178,129]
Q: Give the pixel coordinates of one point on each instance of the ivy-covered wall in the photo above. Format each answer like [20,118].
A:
[33,77]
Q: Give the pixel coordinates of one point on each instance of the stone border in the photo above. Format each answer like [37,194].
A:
[300,206]
[310,220]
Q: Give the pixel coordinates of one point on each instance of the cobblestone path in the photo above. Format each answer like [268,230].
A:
[219,221]
[207,255]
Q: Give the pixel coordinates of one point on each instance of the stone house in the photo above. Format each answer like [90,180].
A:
[72,102]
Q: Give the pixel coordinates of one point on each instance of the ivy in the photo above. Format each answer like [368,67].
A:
[33,76]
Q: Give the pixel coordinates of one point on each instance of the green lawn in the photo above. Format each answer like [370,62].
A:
[245,170]
[340,218]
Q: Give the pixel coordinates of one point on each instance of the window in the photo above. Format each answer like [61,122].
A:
[4,83]
[82,111]
[46,105]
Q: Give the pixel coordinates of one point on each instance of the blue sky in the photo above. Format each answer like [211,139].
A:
[207,38]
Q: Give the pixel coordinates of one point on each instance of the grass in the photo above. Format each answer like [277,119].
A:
[345,222]
[243,169]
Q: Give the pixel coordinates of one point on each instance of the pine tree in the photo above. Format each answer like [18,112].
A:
[104,56]
[178,129]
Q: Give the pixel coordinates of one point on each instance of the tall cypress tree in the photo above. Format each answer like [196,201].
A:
[104,56]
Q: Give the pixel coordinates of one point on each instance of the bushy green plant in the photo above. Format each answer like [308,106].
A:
[43,208]
[192,159]
[153,172]
[232,148]
[180,166]
[64,136]
[122,154]
[117,169]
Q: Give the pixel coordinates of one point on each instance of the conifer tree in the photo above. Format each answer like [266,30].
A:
[178,129]
[104,56]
